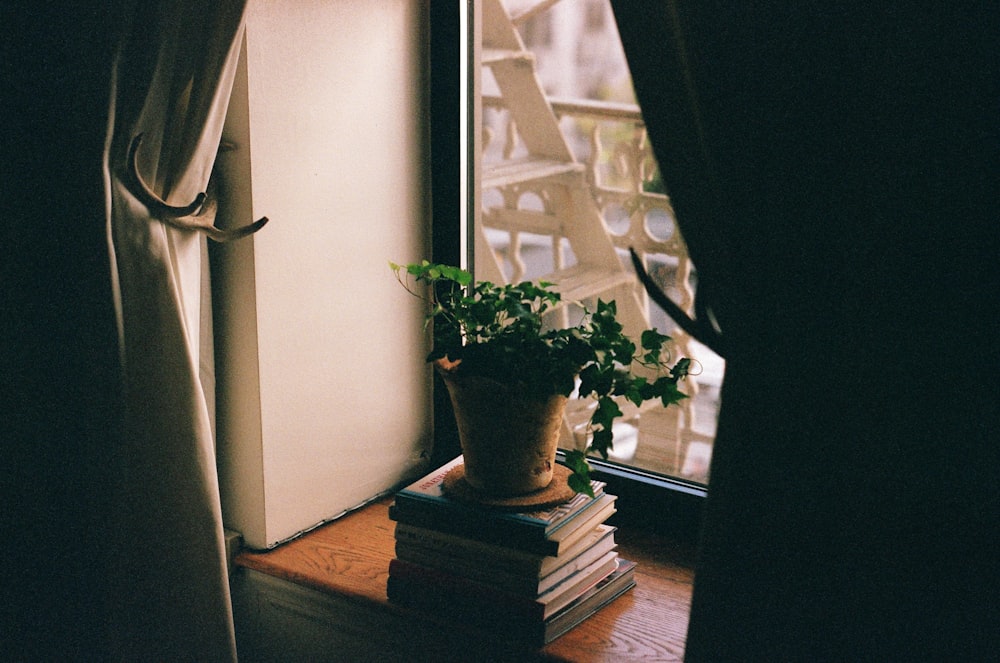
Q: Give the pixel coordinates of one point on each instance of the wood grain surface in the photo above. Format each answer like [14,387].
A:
[350,557]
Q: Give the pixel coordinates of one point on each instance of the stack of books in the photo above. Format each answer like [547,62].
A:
[530,576]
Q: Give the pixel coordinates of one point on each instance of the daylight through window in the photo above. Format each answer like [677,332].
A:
[569,184]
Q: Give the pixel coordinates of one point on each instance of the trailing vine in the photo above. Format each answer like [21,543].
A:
[499,331]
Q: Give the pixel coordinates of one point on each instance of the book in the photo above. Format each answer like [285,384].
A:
[427,496]
[501,556]
[482,598]
[530,540]
[606,591]
[531,633]
[500,566]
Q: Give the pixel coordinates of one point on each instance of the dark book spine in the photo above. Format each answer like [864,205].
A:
[472,596]
[415,594]
[498,533]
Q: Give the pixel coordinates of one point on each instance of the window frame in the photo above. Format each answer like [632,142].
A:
[659,504]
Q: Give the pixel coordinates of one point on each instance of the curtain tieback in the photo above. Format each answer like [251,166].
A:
[198,216]
[699,328]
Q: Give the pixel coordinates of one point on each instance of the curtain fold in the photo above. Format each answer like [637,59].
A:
[834,170]
[170,83]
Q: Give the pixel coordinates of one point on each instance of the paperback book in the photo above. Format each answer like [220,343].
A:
[522,575]
[427,496]
[482,598]
[501,566]
[489,531]
[534,632]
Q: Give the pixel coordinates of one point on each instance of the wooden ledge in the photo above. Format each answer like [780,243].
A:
[349,559]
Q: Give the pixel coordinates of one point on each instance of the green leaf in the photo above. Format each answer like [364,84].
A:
[460,276]
[579,480]
[668,391]
[653,340]
[602,441]
[635,392]
[588,379]
[498,331]
[576,460]
[581,483]
[606,411]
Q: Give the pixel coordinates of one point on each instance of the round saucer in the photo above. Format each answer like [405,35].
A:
[556,493]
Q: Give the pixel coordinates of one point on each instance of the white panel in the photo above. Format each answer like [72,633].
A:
[239,448]
[337,151]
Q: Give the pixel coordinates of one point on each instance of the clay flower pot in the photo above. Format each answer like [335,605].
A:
[509,441]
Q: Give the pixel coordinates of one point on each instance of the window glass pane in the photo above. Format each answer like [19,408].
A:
[569,184]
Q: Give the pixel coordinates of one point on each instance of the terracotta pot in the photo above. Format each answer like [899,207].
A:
[509,441]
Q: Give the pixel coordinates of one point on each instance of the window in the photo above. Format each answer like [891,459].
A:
[568,97]
[282,444]
[521,229]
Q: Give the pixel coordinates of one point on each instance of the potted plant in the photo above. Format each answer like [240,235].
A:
[492,346]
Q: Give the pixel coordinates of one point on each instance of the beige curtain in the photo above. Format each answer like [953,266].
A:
[170,85]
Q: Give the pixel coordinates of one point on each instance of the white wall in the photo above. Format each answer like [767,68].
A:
[324,395]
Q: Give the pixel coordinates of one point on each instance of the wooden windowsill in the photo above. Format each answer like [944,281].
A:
[349,558]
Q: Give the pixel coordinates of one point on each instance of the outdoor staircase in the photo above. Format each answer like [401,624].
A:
[545,166]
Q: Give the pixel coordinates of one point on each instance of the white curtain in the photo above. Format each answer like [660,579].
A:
[170,84]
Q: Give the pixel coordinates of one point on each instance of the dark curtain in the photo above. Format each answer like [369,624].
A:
[59,384]
[833,167]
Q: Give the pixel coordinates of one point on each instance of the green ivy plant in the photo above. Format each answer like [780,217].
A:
[497,331]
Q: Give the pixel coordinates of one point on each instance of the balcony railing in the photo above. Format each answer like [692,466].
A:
[609,141]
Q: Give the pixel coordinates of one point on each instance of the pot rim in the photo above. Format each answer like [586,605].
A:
[448,370]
